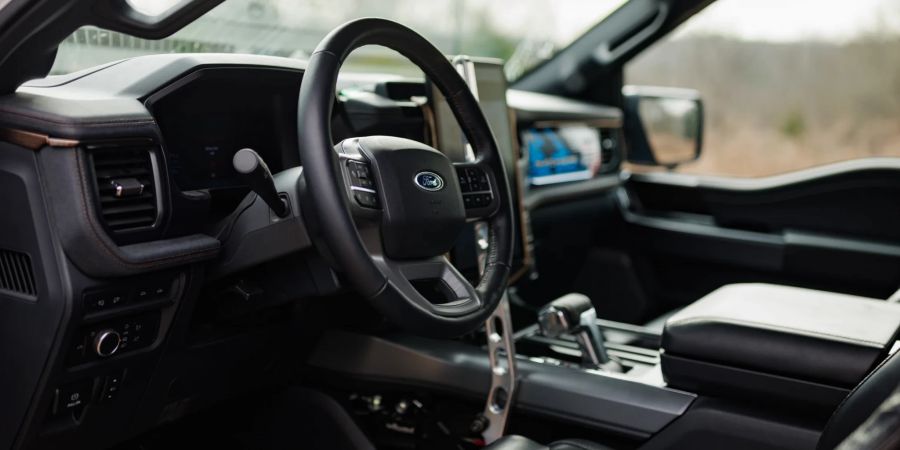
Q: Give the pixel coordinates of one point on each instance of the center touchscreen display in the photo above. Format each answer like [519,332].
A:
[557,154]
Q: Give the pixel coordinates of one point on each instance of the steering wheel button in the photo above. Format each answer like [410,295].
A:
[366,199]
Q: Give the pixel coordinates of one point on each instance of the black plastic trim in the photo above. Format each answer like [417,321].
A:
[604,402]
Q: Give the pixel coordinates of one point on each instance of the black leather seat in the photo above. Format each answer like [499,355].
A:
[849,415]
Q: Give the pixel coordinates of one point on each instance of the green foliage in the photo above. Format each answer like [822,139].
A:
[485,40]
[793,126]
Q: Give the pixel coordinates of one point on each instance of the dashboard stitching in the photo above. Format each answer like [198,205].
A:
[116,122]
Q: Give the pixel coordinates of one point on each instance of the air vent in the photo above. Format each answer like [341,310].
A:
[125,187]
[16,274]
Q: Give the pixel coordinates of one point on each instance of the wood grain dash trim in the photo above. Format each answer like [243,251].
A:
[34,141]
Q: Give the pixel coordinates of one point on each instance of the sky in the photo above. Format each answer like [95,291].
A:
[794,20]
[562,21]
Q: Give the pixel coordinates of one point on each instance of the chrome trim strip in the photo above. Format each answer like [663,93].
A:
[362,189]
[502,356]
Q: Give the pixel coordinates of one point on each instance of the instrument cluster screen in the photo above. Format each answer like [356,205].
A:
[207,119]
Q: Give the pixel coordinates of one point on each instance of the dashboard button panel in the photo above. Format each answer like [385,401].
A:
[104,299]
[108,298]
[114,337]
[111,386]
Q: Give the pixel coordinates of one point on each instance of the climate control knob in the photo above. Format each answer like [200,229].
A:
[107,342]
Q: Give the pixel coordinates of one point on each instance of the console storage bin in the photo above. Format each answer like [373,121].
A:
[777,343]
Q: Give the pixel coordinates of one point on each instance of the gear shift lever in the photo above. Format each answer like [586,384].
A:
[574,314]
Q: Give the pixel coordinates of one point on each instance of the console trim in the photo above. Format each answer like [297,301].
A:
[611,403]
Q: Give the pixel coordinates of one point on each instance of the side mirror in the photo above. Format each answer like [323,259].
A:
[663,126]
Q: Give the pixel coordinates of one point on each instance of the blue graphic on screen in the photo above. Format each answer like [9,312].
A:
[551,159]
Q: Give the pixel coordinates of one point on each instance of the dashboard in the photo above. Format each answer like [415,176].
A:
[200,282]
[208,114]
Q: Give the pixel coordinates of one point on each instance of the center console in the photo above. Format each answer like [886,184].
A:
[777,357]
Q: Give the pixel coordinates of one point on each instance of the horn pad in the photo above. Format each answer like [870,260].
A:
[423,212]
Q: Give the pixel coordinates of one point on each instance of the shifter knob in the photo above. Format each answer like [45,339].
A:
[574,314]
[563,315]
[256,173]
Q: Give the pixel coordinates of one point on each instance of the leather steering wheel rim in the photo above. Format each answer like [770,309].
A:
[325,201]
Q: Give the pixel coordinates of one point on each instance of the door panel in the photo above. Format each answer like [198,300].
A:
[662,240]
[835,228]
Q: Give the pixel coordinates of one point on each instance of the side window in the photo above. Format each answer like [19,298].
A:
[786,84]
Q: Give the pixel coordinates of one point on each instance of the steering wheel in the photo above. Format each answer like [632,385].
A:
[385,210]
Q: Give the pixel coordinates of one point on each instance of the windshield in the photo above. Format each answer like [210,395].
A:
[521,32]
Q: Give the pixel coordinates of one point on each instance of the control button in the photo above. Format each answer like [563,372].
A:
[73,396]
[473,179]
[477,200]
[77,351]
[101,300]
[154,290]
[360,175]
[107,342]
[112,385]
[366,183]
[366,199]
[464,183]
[143,293]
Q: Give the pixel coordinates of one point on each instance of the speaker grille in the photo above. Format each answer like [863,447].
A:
[16,273]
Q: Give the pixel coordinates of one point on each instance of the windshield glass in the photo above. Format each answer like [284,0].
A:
[521,32]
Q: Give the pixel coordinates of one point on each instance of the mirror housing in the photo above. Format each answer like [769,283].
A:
[663,126]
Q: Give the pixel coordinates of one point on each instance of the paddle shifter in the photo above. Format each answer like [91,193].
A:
[256,174]
[574,314]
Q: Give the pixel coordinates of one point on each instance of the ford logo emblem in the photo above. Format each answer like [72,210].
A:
[429,181]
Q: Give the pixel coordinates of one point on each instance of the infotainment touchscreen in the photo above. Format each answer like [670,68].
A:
[562,153]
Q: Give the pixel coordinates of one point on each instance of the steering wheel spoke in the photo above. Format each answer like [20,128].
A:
[478,186]
[433,285]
